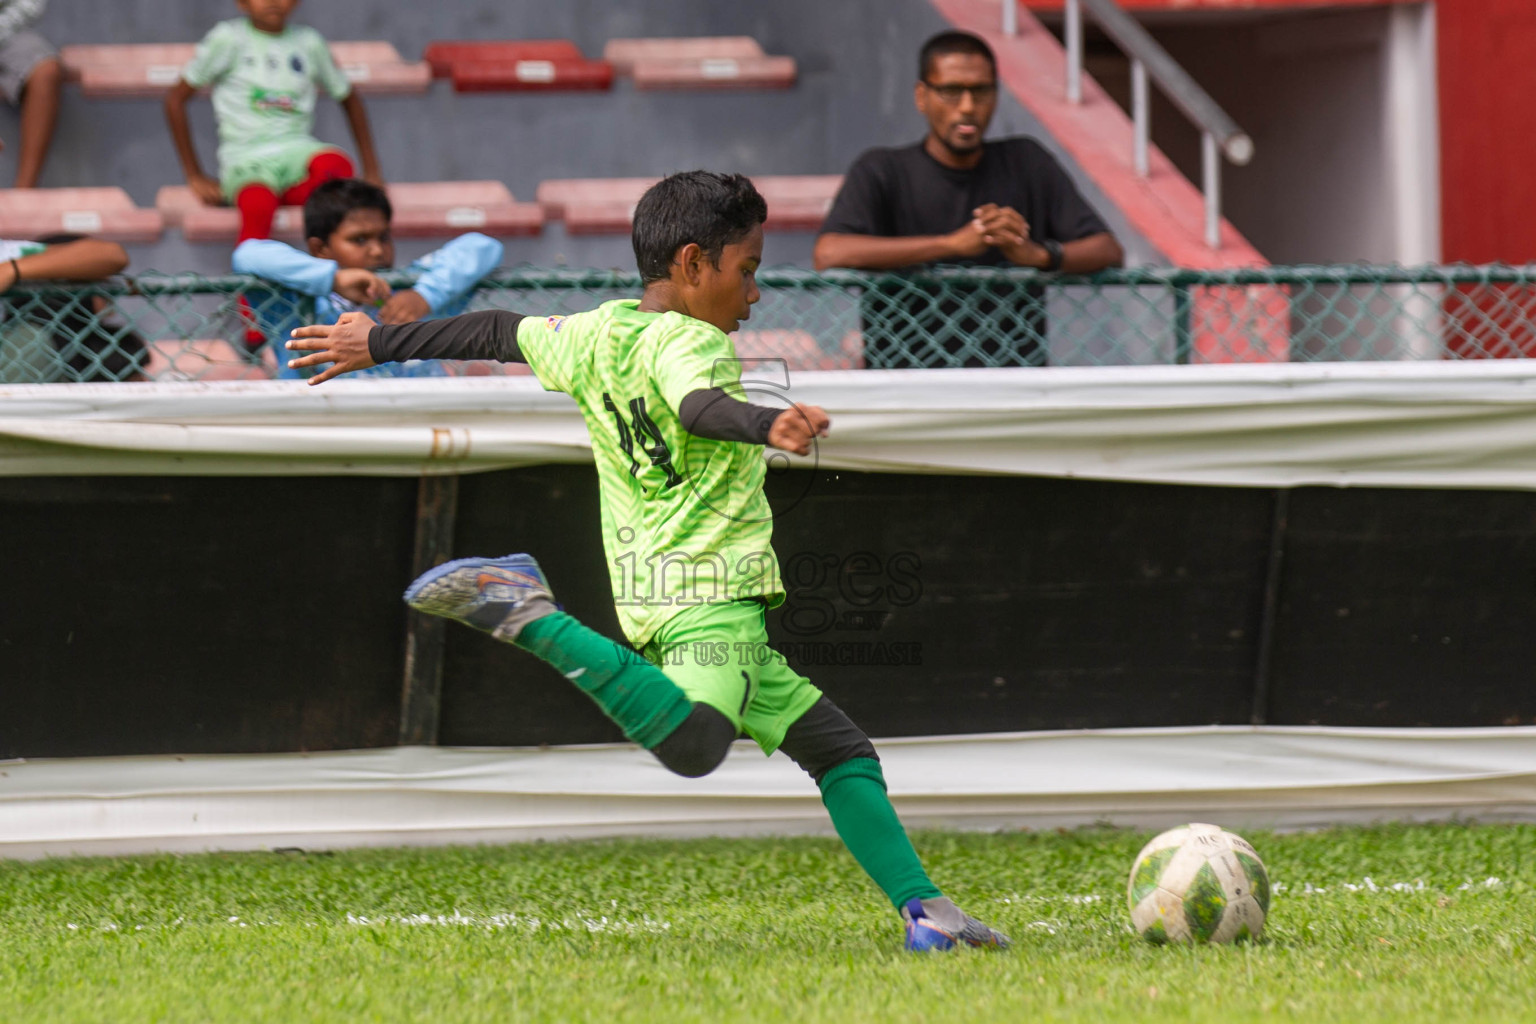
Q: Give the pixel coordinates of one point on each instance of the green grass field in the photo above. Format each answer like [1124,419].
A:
[1387,923]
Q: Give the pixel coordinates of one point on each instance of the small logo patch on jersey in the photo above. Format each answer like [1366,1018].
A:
[555,323]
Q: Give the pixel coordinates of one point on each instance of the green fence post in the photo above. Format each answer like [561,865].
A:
[1182,316]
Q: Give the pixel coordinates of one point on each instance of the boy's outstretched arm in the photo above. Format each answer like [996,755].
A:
[85,259]
[308,275]
[357,118]
[205,188]
[355,342]
[796,427]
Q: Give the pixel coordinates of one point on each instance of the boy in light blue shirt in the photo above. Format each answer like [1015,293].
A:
[346,225]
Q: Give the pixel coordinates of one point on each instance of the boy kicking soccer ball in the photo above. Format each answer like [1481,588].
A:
[686,525]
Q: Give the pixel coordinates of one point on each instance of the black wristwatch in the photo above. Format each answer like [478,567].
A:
[1053,251]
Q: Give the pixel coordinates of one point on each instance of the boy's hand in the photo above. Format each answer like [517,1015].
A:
[343,344]
[405,306]
[795,428]
[207,189]
[360,285]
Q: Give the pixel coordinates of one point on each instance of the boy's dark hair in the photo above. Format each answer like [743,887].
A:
[712,210]
[331,201]
[946,43]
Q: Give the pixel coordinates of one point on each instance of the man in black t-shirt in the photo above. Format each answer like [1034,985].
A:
[956,199]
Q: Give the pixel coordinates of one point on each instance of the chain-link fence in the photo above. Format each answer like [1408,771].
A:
[187,327]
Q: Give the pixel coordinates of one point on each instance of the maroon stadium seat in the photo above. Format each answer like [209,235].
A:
[443,55]
[517,65]
[148,69]
[100,212]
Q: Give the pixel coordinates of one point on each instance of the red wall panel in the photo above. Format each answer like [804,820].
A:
[1487,129]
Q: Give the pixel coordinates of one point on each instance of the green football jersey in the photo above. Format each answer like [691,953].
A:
[685,520]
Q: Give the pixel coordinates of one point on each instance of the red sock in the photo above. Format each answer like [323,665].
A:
[258,207]
[323,166]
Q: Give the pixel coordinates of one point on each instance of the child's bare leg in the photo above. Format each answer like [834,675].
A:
[39,114]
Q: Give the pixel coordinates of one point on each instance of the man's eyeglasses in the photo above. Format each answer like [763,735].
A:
[951,94]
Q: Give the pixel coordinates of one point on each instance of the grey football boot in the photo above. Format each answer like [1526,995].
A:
[498,596]
[938,924]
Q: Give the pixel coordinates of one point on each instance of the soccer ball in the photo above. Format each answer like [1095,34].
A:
[1198,883]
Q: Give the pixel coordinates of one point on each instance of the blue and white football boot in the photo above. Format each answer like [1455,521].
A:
[498,596]
[937,924]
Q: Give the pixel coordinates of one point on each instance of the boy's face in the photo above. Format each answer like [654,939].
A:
[267,15]
[724,296]
[361,242]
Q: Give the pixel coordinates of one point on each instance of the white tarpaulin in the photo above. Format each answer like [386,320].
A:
[1434,424]
[1240,777]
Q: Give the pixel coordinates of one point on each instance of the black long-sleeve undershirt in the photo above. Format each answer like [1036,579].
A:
[492,334]
[484,334]
[711,413]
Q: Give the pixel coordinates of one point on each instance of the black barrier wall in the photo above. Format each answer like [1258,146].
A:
[194,615]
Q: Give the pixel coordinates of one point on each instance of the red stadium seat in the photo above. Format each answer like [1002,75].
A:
[592,206]
[798,202]
[597,206]
[716,73]
[623,54]
[204,359]
[429,209]
[200,223]
[423,209]
[148,69]
[517,65]
[703,62]
[136,69]
[100,212]
[799,349]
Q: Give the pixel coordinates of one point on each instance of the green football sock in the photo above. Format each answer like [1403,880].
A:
[854,793]
[637,695]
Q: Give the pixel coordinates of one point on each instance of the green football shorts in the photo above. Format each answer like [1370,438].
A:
[718,654]
[279,166]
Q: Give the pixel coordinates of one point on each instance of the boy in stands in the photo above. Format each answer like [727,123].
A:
[31,79]
[62,337]
[265,75]
[347,225]
[680,470]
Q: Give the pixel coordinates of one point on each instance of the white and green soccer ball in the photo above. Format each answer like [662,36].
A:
[1198,883]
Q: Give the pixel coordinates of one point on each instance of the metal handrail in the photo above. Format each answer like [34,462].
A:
[1219,134]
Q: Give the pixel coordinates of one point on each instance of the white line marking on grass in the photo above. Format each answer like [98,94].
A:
[495,922]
